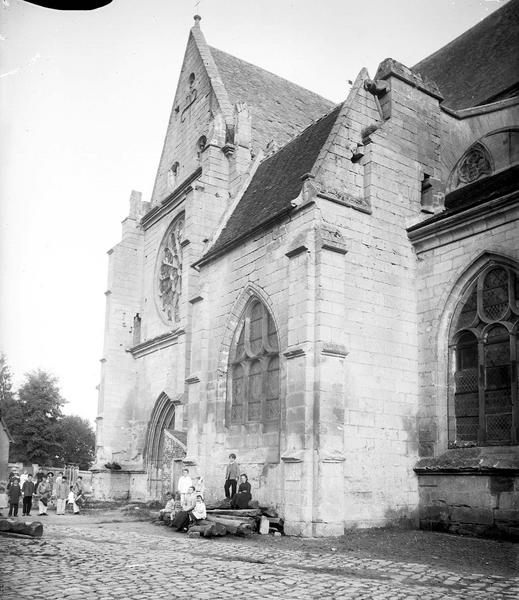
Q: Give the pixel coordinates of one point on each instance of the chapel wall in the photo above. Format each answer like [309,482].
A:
[259,266]
[442,260]
[379,307]
[485,502]
[379,304]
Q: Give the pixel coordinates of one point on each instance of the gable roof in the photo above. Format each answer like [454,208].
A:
[276,182]
[280,109]
[482,64]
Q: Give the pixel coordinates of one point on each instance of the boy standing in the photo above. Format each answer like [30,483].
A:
[62,495]
[14,494]
[184,483]
[231,476]
[27,491]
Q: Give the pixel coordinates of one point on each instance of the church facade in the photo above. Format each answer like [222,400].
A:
[329,292]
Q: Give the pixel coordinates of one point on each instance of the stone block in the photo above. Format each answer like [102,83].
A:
[472,515]
[508,516]
[509,501]
[264,526]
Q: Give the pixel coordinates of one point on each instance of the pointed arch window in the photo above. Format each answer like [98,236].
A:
[483,404]
[254,368]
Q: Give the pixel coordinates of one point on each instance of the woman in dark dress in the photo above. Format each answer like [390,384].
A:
[243,496]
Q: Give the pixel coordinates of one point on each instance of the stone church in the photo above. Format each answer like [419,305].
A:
[331,292]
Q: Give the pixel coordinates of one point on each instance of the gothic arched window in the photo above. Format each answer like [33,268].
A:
[254,368]
[484,407]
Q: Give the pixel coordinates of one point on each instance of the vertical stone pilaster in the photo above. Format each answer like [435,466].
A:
[299,455]
[330,382]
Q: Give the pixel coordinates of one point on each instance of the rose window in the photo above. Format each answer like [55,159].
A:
[170,271]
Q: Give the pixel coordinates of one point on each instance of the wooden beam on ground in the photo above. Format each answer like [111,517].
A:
[25,528]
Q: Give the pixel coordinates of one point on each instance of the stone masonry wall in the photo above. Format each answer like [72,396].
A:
[470,504]
[117,391]
[189,118]
[450,254]
[258,267]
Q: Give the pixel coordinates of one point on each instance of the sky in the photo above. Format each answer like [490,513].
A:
[84,104]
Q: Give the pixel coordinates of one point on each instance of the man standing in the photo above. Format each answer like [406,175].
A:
[27,492]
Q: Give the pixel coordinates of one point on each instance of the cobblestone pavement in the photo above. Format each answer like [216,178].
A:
[77,558]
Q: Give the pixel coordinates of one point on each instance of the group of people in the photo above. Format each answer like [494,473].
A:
[44,489]
[187,506]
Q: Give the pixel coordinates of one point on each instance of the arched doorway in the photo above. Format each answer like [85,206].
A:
[165,448]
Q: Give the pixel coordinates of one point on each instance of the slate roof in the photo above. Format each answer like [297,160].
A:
[482,64]
[280,109]
[276,182]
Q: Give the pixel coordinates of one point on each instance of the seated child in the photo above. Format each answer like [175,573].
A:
[164,512]
[198,512]
[177,507]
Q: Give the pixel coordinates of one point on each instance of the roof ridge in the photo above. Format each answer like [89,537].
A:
[270,73]
[300,133]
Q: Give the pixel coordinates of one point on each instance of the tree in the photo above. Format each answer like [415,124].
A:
[76,439]
[34,417]
[6,392]
[41,433]
[9,407]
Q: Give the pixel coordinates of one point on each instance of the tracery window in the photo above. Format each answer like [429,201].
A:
[169,271]
[254,368]
[483,407]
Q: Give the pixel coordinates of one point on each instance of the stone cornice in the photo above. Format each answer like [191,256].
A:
[483,471]
[156,343]
[333,349]
[294,352]
[480,110]
[452,225]
[176,197]
[360,204]
[297,251]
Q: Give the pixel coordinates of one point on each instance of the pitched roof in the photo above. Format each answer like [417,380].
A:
[280,109]
[482,64]
[276,182]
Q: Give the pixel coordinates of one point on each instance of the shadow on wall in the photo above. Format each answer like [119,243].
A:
[402,518]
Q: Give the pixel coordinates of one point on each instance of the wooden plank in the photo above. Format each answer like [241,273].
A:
[245,512]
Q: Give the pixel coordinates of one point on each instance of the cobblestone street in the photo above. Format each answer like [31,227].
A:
[102,559]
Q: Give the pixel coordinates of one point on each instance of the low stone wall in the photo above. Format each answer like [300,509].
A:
[484,504]
[119,485]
